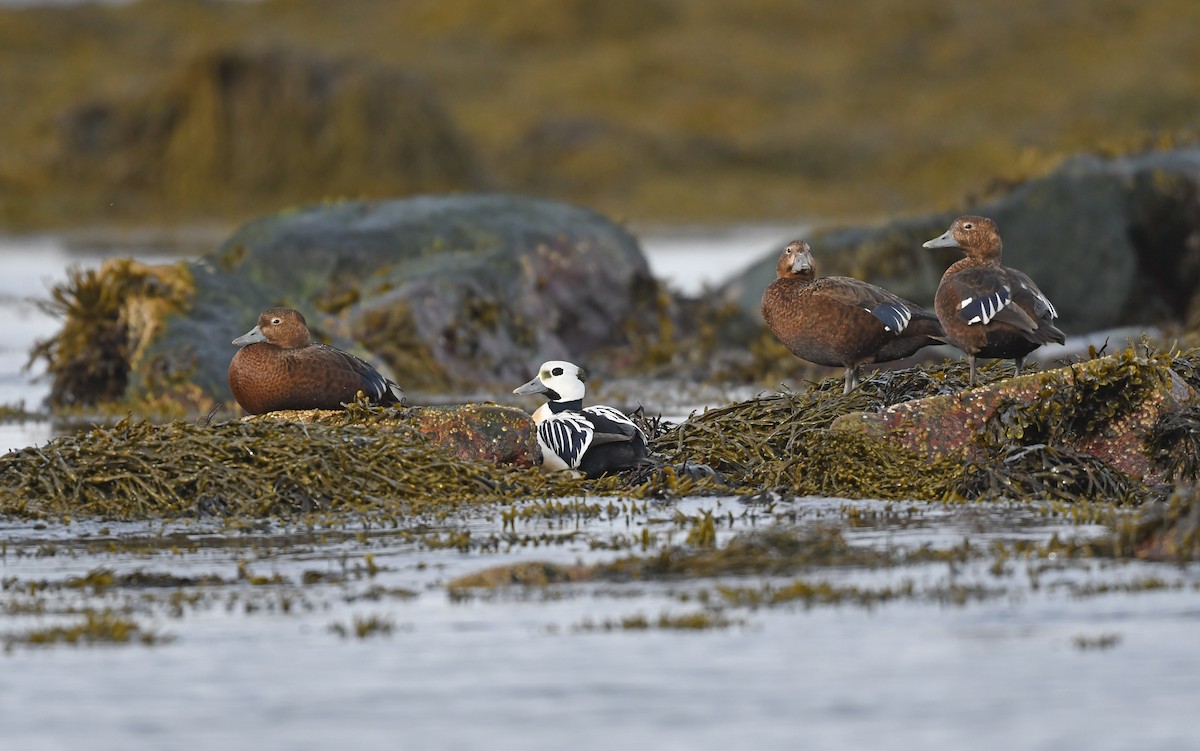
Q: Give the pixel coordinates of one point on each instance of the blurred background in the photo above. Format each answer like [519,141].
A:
[178,112]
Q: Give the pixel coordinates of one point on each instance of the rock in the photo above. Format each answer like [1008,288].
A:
[480,432]
[454,292]
[1102,407]
[472,432]
[1112,241]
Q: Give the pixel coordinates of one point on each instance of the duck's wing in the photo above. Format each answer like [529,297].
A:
[568,435]
[613,421]
[986,295]
[892,310]
[378,388]
[1028,296]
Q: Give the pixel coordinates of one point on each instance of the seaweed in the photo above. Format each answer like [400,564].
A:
[1075,402]
[1174,442]
[1016,472]
[110,315]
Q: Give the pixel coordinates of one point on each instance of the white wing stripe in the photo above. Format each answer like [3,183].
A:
[616,415]
[567,435]
[985,308]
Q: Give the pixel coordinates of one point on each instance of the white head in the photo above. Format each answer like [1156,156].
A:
[560,380]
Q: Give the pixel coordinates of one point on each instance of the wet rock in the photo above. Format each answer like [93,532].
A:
[1102,408]
[1113,242]
[471,432]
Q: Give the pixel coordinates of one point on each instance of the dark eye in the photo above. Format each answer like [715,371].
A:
[276,321]
[556,371]
[968,225]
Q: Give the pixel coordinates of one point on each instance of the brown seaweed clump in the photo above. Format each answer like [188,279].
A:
[243,469]
[369,462]
[1174,441]
[109,317]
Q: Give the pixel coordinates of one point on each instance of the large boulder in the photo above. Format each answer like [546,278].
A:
[448,293]
[1112,241]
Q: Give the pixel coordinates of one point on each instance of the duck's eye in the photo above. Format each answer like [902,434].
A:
[968,225]
[556,371]
[276,321]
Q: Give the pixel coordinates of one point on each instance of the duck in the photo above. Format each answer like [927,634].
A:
[986,309]
[841,321]
[279,367]
[594,440]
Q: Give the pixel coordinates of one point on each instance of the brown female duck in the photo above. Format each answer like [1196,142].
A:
[279,367]
[986,309]
[837,320]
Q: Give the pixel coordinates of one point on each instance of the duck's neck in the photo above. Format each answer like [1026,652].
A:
[575,405]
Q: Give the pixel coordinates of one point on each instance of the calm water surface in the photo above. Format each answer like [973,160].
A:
[1036,653]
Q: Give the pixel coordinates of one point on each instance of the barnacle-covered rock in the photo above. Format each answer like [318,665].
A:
[1103,408]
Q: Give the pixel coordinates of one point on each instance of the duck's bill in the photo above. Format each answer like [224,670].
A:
[250,337]
[945,241]
[533,387]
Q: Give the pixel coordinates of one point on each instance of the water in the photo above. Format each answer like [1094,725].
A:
[1039,653]
[520,669]
[694,260]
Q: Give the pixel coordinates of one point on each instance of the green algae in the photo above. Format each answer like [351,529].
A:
[243,469]
[784,441]
[364,463]
[1048,473]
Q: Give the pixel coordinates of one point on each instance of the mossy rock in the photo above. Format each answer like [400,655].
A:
[1110,241]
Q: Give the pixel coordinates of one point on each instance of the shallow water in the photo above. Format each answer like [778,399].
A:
[1035,652]
[1007,665]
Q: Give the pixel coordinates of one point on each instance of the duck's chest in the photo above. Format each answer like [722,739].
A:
[266,378]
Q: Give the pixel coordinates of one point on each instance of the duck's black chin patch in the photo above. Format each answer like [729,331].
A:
[554,395]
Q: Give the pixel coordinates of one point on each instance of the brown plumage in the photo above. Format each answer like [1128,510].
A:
[839,321]
[989,310]
[279,367]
